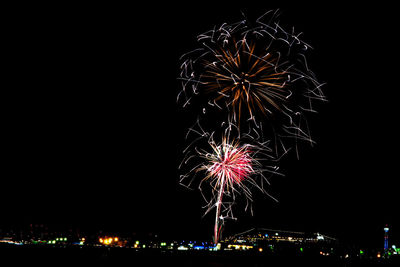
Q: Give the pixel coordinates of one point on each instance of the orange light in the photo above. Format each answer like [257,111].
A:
[379,255]
[260,249]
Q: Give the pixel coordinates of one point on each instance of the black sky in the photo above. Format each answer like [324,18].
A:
[92,132]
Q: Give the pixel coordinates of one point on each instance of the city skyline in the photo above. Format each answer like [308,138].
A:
[45,234]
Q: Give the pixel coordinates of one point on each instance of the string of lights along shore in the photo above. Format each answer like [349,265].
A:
[251,87]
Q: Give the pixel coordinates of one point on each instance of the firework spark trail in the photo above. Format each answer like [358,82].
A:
[218,211]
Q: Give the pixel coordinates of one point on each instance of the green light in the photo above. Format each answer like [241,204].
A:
[137,242]
[301,249]
[361,252]
[163,244]
[65,239]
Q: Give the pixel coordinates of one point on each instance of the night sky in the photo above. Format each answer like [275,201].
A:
[92,134]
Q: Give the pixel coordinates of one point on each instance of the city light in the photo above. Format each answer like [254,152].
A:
[252,242]
[108,240]
[239,247]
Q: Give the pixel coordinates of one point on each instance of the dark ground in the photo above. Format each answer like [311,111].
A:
[76,256]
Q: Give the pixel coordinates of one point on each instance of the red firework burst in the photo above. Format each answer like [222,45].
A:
[229,163]
[232,166]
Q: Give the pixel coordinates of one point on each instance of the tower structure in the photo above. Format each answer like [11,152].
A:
[386,237]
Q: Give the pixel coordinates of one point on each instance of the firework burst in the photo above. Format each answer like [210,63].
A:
[229,168]
[229,165]
[243,79]
[257,74]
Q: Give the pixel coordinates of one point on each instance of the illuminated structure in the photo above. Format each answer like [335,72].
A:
[269,241]
[386,237]
[270,235]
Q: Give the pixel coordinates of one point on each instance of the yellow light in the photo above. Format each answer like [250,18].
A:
[110,240]
[260,249]
[115,239]
[379,255]
[101,240]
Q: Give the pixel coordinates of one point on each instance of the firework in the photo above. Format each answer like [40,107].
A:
[250,83]
[257,74]
[228,168]
[228,165]
[245,80]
